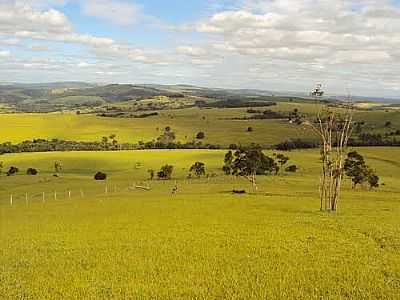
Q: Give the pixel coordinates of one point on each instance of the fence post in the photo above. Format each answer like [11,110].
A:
[11,200]
[43,198]
[82,194]
[55,195]
[26,198]
[69,194]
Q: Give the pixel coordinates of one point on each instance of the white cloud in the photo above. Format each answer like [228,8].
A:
[4,53]
[122,13]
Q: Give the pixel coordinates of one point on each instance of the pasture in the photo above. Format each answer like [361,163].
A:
[202,243]
[219,125]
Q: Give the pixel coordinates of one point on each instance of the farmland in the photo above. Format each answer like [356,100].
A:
[202,243]
[221,126]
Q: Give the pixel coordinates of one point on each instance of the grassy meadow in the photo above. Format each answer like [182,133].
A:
[217,124]
[202,243]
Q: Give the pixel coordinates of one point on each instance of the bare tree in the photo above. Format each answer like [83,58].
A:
[334,127]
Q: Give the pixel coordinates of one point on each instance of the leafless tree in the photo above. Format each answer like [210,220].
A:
[333,126]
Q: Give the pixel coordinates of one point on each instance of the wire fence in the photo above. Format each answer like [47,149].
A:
[59,194]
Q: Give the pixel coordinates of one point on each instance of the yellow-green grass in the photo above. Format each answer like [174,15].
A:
[217,124]
[203,242]
[185,123]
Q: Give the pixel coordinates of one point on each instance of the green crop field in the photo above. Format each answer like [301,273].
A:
[202,243]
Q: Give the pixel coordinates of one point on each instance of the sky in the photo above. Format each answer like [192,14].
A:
[349,46]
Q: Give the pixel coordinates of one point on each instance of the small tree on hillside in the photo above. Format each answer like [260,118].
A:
[248,162]
[165,172]
[198,169]
[356,169]
[167,137]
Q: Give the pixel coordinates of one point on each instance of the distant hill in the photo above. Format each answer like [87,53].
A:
[64,95]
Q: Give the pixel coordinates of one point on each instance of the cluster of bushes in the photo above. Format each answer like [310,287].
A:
[373,139]
[235,103]
[295,144]
[262,115]
[14,170]
[166,141]
[123,114]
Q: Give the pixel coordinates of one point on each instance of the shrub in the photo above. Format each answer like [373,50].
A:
[292,169]
[249,129]
[12,171]
[32,172]
[200,135]
[100,176]
[165,172]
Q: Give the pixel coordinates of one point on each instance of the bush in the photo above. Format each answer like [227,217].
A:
[32,172]
[12,171]
[292,169]
[165,172]
[200,135]
[249,129]
[100,176]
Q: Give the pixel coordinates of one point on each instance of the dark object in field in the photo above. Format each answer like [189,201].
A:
[292,168]
[31,171]
[55,175]
[239,191]
[100,176]
[12,171]
[200,135]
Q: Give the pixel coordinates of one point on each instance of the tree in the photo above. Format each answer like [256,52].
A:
[167,137]
[1,167]
[104,142]
[200,135]
[151,174]
[249,129]
[282,159]
[165,172]
[356,168]
[248,162]
[373,179]
[114,141]
[334,127]
[198,169]
[228,163]
[57,167]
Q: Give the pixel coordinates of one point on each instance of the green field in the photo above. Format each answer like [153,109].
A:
[217,124]
[204,242]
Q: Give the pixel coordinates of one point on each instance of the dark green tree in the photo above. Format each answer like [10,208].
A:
[198,168]
[248,162]
[165,172]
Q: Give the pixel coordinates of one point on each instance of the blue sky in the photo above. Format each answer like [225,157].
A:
[267,44]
